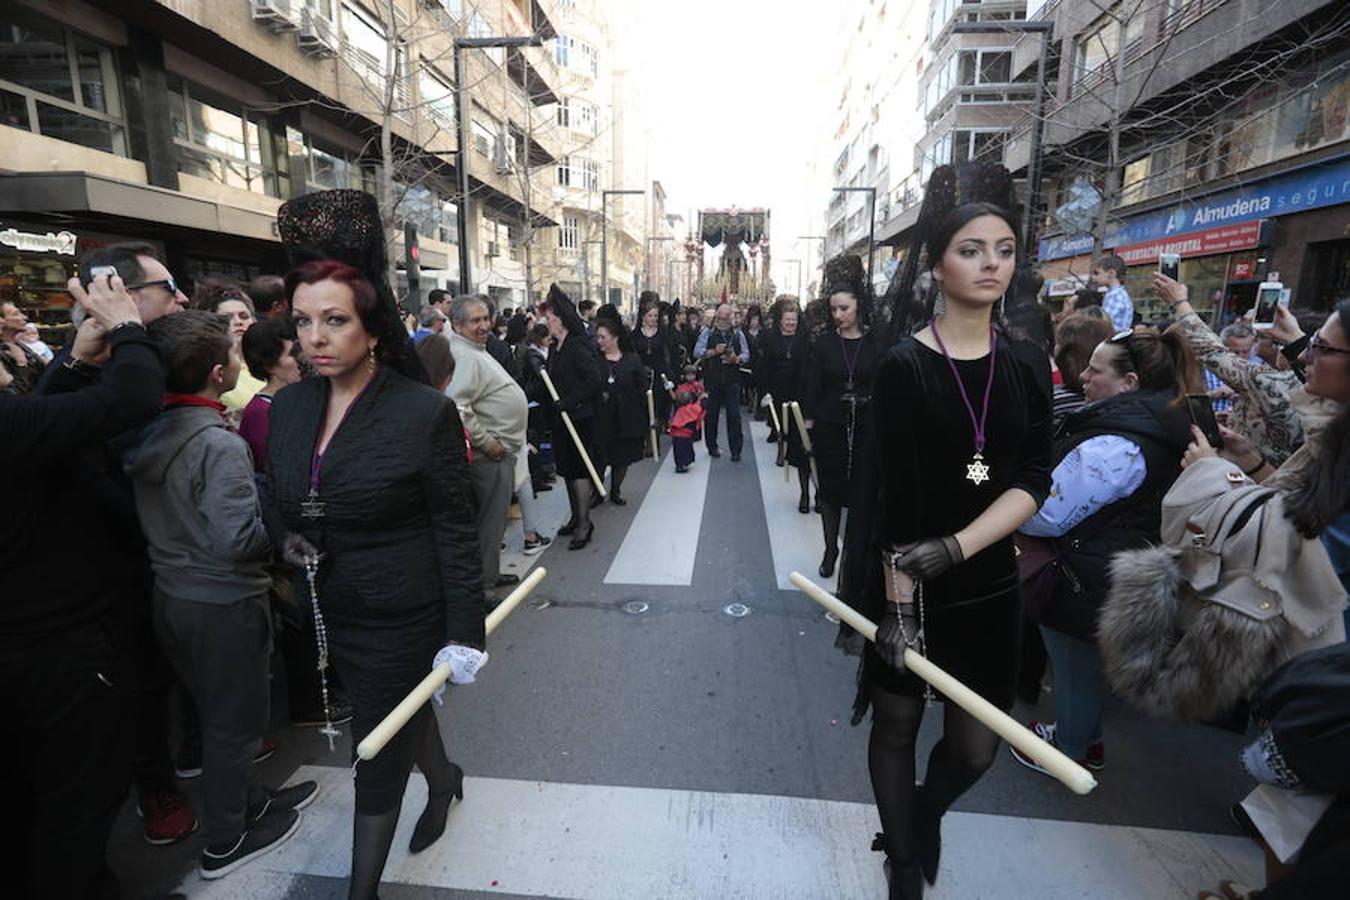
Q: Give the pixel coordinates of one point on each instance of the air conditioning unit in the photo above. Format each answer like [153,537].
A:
[501,156]
[318,35]
[274,15]
[492,252]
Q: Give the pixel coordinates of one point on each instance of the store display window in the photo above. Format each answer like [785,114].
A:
[35,264]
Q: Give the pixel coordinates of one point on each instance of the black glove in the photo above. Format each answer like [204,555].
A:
[295,550]
[929,558]
[890,640]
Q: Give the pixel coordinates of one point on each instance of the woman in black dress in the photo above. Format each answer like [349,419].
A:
[369,476]
[579,377]
[622,423]
[782,351]
[959,459]
[654,345]
[836,390]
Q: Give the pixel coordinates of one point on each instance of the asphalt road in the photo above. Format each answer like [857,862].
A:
[637,740]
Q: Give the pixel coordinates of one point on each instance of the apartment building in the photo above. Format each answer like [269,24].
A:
[876,130]
[1230,121]
[601,149]
[188,123]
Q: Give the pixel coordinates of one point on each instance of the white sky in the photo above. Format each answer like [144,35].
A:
[736,95]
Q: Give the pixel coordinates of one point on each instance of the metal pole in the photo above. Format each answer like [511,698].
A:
[604,249]
[1034,163]
[462,163]
[871,234]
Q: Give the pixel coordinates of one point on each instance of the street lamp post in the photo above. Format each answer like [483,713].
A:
[799,274]
[604,240]
[812,237]
[586,268]
[647,263]
[461,138]
[1045,29]
[871,193]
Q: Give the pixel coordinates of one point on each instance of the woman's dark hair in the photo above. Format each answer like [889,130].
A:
[1163,361]
[959,218]
[208,293]
[538,333]
[608,311]
[517,328]
[379,318]
[439,362]
[1085,297]
[753,312]
[1324,495]
[1075,339]
[616,327]
[263,344]
[1033,323]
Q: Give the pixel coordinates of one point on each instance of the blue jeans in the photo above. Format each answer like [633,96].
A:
[724,396]
[1080,691]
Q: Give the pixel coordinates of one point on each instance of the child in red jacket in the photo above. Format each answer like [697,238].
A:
[686,423]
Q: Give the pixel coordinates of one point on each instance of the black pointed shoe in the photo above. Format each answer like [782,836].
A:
[431,824]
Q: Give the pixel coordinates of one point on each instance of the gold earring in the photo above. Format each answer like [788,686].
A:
[370,359]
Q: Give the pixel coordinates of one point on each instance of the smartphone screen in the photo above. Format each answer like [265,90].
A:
[1267,298]
[1202,415]
[1169,264]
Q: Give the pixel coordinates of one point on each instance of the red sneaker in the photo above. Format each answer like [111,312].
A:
[167,817]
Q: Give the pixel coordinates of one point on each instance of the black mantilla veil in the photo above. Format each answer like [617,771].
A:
[905,309]
[563,307]
[345,225]
[845,274]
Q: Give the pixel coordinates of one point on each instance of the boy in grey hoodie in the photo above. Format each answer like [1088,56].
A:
[198,505]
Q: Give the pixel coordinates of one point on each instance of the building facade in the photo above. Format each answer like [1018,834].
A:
[1216,129]
[188,124]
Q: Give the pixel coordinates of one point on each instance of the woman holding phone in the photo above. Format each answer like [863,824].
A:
[1117,457]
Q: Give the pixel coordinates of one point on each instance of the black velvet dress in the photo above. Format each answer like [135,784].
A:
[400,575]
[658,354]
[837,369]
[915,487]
[778,367]
[622,425]
[579,379]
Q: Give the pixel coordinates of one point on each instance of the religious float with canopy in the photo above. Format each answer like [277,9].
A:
[741,272]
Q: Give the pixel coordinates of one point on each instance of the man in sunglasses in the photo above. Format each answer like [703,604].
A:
[166,815]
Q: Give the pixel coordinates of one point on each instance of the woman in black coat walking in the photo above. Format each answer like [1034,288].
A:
[782,353]
[654,345]
[579,377]
[369,480]
[623,424]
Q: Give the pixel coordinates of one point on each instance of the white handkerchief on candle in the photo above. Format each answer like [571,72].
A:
[464,664]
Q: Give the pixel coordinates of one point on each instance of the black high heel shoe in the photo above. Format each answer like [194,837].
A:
[578,541]
[804,505]
[617,499]
[567,529]
[431,824]
[827,564]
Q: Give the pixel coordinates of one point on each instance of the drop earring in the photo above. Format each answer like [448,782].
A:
[370,359]
[1003,305]
[939,301]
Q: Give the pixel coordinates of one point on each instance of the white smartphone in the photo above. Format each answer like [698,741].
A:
[1267,298]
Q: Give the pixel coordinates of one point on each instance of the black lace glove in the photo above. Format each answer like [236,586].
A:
[928,558]
[295,550]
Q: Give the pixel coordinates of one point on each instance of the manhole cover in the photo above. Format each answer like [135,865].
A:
[635,607]
[736,610]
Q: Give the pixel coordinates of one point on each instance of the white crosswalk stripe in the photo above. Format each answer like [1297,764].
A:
[660,545]
[796,540]
[601,842]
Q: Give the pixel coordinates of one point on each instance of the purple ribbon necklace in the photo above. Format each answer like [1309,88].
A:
[977,471]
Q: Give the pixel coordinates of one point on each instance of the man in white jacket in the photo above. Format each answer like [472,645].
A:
[498,414]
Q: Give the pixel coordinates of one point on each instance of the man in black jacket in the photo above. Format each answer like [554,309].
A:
[63,682]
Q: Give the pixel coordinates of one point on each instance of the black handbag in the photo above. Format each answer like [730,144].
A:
[1306,705]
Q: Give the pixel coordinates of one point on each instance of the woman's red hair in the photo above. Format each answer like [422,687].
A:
[364,297]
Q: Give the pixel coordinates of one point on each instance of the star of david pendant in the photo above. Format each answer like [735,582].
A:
[977,472]
[311,507]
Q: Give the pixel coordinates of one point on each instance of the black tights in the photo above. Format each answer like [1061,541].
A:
[804,480]
[579,497]
[958,760]
[372,834]
[829,520]
[616,477]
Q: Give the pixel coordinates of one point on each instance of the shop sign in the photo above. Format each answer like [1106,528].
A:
[62,242]
[1197,243]
[1312,188]
[1298,191]
[1243,269]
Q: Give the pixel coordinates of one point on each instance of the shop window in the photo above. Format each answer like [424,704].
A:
[217,140]
[59,83]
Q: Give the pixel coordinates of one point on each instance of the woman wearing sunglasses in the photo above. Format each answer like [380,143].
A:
[1117,456]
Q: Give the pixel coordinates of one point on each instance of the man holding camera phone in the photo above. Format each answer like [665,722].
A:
[64,680]
[723,349]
